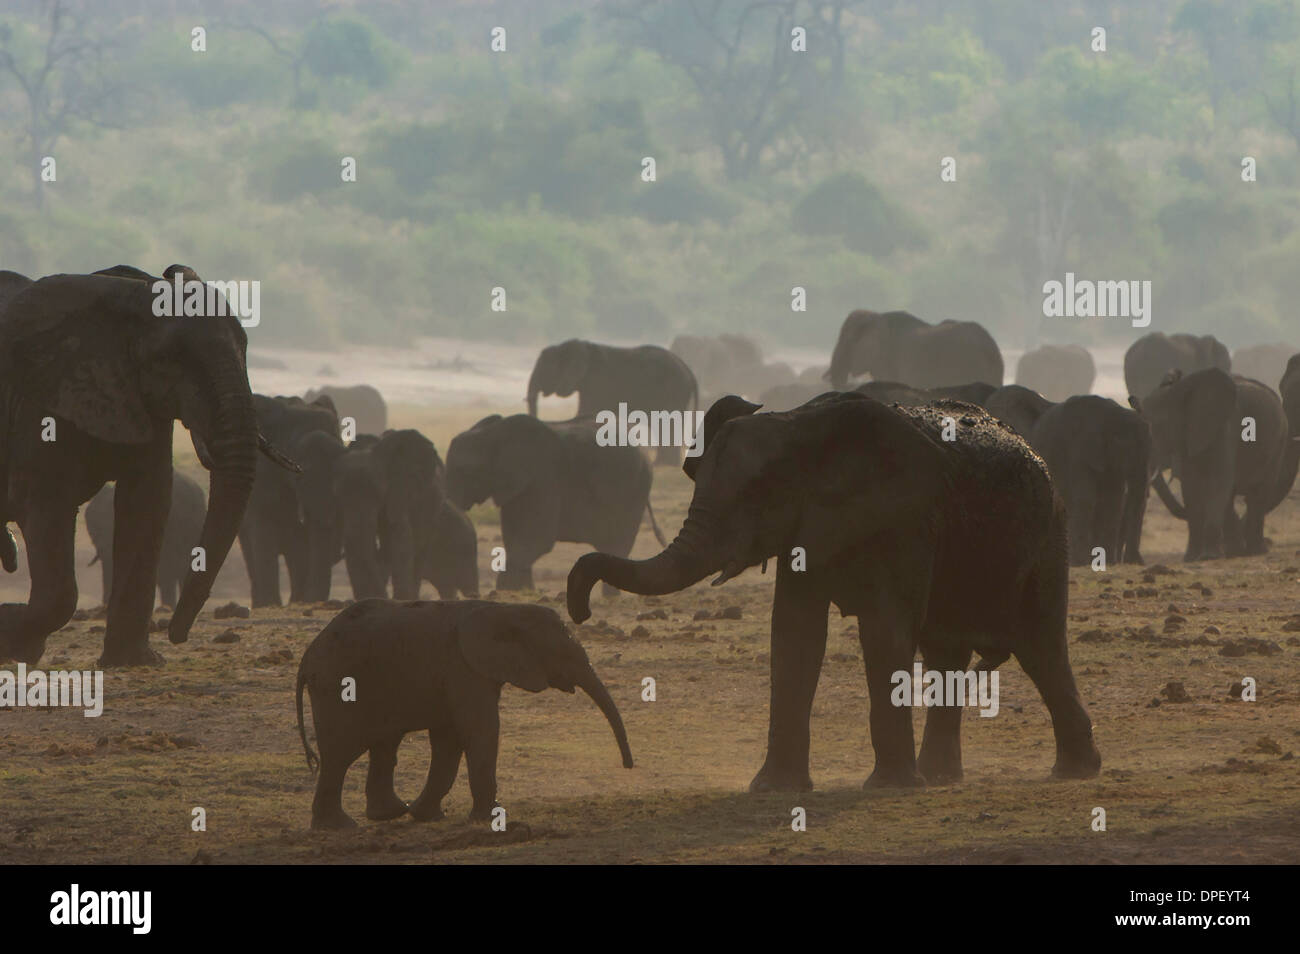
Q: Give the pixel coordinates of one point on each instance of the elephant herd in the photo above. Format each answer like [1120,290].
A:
[939,506]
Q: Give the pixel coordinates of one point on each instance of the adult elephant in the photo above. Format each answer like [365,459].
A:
[361,402]
[552,482]
[389,493]
[897,346]
[1266,362]
[1152,356]
[1199,432]
[184,524]
[646,378]
[1289,389]
[91,380]
[274,524]
[952,546]
[1057,371]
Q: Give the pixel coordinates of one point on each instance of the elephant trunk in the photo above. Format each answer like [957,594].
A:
[233,449]
[841,357]
[1167,495]
[533,391]
[593,687]
[687,560]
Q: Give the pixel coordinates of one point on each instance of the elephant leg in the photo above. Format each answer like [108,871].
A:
[1044,656]
[168,588]
[1107,523]
[382,802]
[140,508]
[799,611]
[1252,527]
[1233,542]
[889,646]
[480,727]
[940,758]
[295,559]
[1082,506]
[516,576]
[327,807]
[263,565]
[444,764]
[50,533]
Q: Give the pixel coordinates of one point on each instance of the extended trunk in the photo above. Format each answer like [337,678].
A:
[233,450]
[593,687]
[687,560]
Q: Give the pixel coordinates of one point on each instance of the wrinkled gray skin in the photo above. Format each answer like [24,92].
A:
[184,524]
[1266,362]
[1057,372]
[1098,454]
[389,493]
[88,351]
[1196,430]
[449,560]
[647,378]
[897,346]
[1152,356]
[552,483]
[954,547]
[360,402]
[434,666]
[273,525]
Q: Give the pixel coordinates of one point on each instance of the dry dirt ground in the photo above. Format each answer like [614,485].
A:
[1189,775]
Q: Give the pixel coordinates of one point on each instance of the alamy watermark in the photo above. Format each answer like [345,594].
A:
[954,687]
[73,907]
[36,689]
[198,299]
[1083,298]
[653,429]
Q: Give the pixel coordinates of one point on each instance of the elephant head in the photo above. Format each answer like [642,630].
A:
[847,468]
[560,370]
[869,341]
[92,350]
[529,647]
[499,457]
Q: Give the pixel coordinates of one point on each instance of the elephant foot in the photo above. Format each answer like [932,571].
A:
[332,821]
[481,813]
[882,777]
[386,809]
[1085,763]
[427,811]
[938,770]
[776,780]
[130,656]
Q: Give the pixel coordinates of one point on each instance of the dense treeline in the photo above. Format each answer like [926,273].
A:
[775,168]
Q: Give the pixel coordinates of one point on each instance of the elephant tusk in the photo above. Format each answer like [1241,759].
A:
[274,455]
[201,451]
[764,569]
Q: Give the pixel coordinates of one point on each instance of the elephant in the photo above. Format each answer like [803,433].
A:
[11,283]
[785,397]
[952,546]
[1057,371]
[552,482]
[897,346]
[1018,406]
[1151,357]
[730,363]
[361,402]
[449,560]
[1266,362]
[184,524]
[1289,389]
[273,525]
[91,379]
[1198,432]
[436,666]
[389,492]
[647,378]
[891,392]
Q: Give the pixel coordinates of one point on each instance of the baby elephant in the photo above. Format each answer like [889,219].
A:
[381,669]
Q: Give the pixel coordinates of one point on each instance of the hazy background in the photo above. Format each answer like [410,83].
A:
[522,169]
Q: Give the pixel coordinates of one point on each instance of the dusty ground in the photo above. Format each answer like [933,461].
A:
[1208,779]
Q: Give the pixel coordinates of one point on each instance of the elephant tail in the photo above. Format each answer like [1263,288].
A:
[1162,490]
[313,760]
[650,512]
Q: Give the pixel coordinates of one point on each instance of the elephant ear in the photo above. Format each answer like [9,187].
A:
[496,647]
[723,410]
[77,343]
